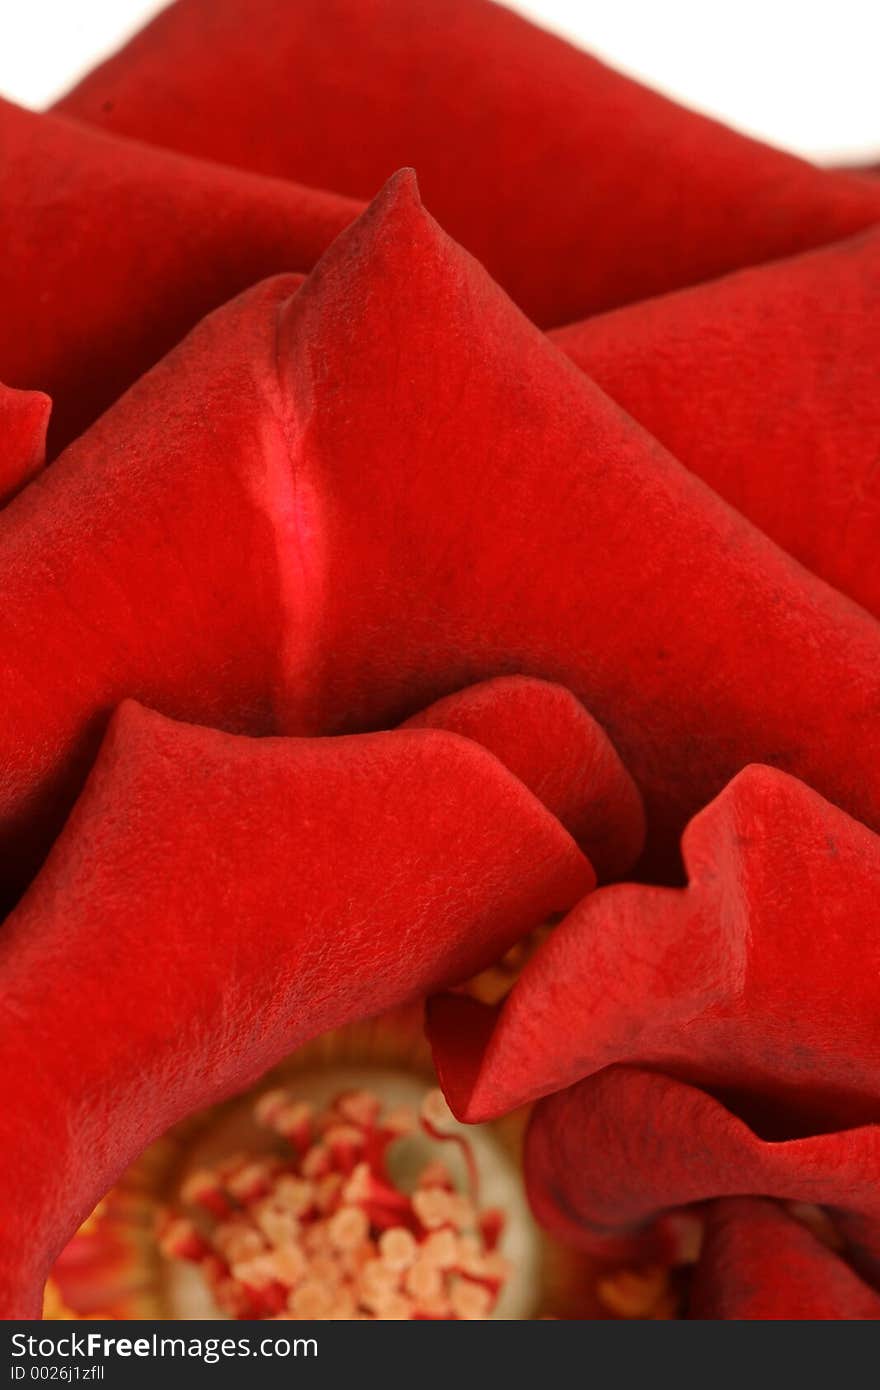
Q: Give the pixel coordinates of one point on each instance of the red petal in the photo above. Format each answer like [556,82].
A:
[24,416]
[215,901]
[514,519]
[760,1263]
[163,556]
[762,977]
[571,765]
[112,251]
[781,414]
[606,1158]
[577,187]
[509,518]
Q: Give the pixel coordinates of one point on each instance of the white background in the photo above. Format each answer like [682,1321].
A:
[800,74]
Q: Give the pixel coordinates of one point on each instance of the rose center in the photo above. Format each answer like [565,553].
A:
[350,1196]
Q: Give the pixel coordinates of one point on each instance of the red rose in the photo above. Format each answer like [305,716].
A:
[216,900]
[261,450]
[365,632]
[757,984]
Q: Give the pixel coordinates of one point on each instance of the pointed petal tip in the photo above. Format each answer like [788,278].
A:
[398,202]
[403,186]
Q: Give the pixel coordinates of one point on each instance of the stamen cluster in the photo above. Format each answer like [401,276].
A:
[323,1231]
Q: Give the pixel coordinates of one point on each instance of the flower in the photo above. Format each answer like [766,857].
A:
[392,418]
[726,1050]
[719,983]
[219,1215]
[216,901]
[371,627]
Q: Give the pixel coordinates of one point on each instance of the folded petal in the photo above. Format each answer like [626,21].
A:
[758,1262]
[761,978]
[213,902]
[577,187]
[765,384]
[510,517]
[324,510]
[572,766]
[164,556]
[24,416]
[609,1158]
[112,251]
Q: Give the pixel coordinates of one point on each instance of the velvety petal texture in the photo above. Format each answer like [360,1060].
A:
[24,417]
[572,766]
[765,384]
[240,539]
[358,621]
[608,1158]
[759,1263]
[578,188]
[213,902]
[483,508]
[113,250]
[760,979]
[166,556]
